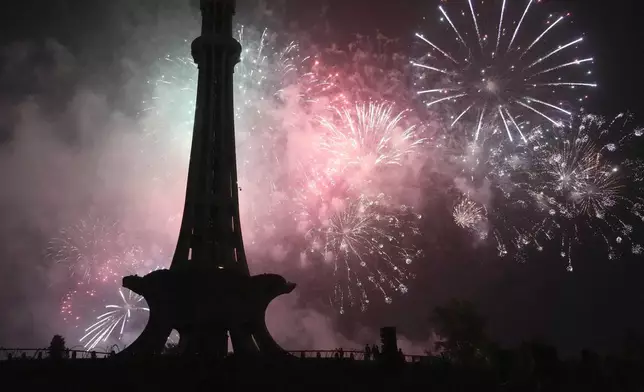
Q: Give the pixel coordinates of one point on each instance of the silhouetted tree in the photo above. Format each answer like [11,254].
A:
[543,363]
[633,348]
[544,358]
[57,347]
[462,330]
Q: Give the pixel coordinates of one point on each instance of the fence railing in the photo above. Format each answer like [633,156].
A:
[347,354]
[43,353]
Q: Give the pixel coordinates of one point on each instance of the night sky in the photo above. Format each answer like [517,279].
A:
[108,41]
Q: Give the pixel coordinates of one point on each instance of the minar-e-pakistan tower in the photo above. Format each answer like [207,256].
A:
[208,292]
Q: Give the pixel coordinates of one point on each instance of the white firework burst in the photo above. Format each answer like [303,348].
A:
[114,320]
[496,64]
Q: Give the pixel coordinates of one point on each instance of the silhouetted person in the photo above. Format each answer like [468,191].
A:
[318,355]
[376,351]
[367,352]
[341,352]
[401,356]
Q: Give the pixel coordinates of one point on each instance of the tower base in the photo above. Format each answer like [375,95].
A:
[203,305]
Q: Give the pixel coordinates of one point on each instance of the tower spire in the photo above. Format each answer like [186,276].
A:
[210,230]
[208,291]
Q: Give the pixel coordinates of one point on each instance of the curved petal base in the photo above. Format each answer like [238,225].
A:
[204,306]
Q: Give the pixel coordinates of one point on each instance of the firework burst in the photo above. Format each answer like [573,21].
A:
[115,319]
[264,71]
[369,137]
[95,249]
[366,242]
[69,309]
[282,99]
[347,221]
[584,181]
[263,67]
[368,68]
[503,64]
[262,79]
[471,216]
[565,185]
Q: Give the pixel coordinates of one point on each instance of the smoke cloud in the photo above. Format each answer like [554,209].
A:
[77,146]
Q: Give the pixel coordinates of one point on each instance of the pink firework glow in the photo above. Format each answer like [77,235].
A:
[323,186]
[368,138]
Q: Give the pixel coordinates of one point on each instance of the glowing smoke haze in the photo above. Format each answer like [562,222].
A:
[98,159]
[119,159]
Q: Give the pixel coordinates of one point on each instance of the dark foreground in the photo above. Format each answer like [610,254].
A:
[173,373]
[166,373]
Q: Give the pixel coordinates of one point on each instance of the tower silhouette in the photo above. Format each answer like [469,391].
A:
[210,229]
[208,291]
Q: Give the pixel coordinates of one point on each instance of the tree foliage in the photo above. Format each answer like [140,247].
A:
[462,330]
[57,348]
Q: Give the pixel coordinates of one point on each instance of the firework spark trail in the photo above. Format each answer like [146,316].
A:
[116,318]
[367,242]
[471,216]
[68,306]
[265,72]
[260,78]
[97,252]
[346,219]
[111,325]
[377,131]
[368,68]
[497,81]
[370,136]
[275,84]
[261,75]
[569,185]
[585,183]
[264,69]
[95,249]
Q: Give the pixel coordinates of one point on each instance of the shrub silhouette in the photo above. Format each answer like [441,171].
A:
[57,347]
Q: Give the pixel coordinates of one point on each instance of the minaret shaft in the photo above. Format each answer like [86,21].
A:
[210,231]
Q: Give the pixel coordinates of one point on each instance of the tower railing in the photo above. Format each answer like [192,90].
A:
[43,353]
[7,354]
[347,355]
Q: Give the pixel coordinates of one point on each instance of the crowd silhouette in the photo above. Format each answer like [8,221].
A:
[464,359]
